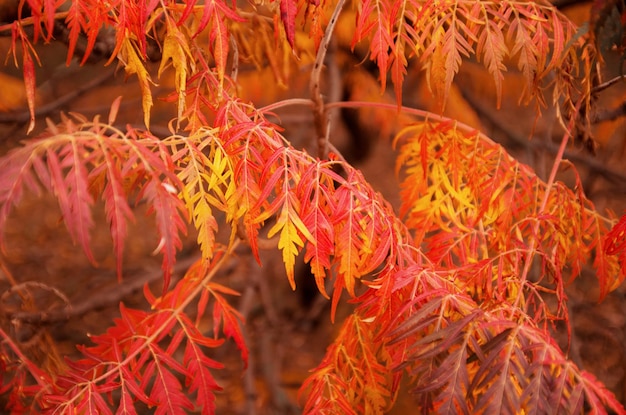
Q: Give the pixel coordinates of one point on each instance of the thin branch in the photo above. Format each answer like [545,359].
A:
[100,299]
[42,110]
[610,174]
[594,165]
[37,374]
[262,243]
[322,122]
[307,102]
[532,243]
[605,85]
[426,115]
[234,72]
[249,384]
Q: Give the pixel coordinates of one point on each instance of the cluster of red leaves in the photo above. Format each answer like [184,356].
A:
[134,23]
[478,211]
[85,160]
[142,358]
[615,241]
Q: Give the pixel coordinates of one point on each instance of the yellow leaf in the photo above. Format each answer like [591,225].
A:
[133,64]
[290,240]
[176,48]
[205,223]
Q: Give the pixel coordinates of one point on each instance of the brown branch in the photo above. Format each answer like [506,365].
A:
[101,299]
[42,110]
[594,165]
[262,243]
[610,114]
[607,84]
[249,384]
[322,122]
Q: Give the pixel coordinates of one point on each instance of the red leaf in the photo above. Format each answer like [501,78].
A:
[84,17]
[200,379]
[615,240]
[43,10]
[288,11]
[169,212]
[224,313]
[316,187]
[72,193]
[29,83]
[115,206]
[167,390]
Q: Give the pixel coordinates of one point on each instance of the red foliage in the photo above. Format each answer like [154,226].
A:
[443,294]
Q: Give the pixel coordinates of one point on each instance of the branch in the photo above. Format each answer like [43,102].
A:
[594,165]
[605,85]
[610,114]
[100,299]
[322,122]
[24,116]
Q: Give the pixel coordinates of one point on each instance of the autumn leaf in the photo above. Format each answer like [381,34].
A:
[176,49]
[316,188]
[28,69]
[280,169]
[133,64]
[226,318]
[288,11]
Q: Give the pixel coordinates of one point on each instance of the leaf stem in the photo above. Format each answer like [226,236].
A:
[532,245]
[380,105]
[307,102]
[41,377]
[411,111]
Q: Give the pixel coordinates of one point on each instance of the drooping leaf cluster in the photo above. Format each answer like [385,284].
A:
[459,315]
[451,295]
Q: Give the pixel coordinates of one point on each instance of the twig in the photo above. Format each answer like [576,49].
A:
[426,115]
[24,116]
[533,242]
[287,103]
[322,122]
[262,243]
[101,299]
[610,174]
[26,286]
[592,164]
[605,85]
[32,367]
[234,72]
